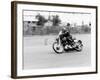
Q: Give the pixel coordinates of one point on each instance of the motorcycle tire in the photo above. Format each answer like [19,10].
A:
[56,49]
[79,47]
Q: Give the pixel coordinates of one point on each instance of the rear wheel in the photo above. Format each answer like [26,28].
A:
[79,46]
[57,48]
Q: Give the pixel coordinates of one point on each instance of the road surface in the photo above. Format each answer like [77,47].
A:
[38,53]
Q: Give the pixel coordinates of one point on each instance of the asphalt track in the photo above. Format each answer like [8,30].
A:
[38,53]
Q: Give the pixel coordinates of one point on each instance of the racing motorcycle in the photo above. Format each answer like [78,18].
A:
[60,46]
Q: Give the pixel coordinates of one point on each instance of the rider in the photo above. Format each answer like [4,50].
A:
[65,36]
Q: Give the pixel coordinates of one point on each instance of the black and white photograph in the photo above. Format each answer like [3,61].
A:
[56,39]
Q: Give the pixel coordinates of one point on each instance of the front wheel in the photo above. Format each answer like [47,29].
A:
[57,48]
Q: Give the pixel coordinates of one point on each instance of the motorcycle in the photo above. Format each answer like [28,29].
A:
[60,47]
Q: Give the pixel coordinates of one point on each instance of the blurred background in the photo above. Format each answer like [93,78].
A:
[37,22]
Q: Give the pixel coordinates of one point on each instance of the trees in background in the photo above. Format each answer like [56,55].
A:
[41,20]
[53,27]
[56,20]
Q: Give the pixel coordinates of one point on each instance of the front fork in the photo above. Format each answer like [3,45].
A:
[59,42]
